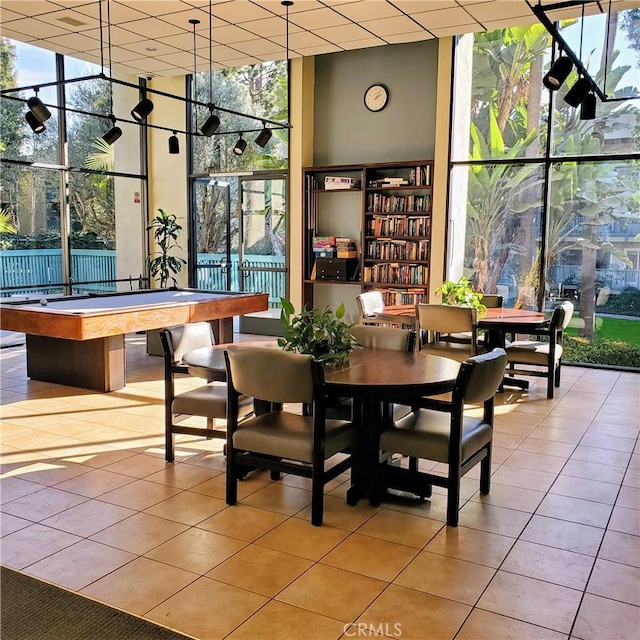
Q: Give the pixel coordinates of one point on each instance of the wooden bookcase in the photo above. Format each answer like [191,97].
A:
[386,209]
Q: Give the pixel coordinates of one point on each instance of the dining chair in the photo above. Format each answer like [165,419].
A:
[544,351]
[279,439]
[438,322]
[441,431]
[208,401]
[375,337]
[490,301]
[369,303]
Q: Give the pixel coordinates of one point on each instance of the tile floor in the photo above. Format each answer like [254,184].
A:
[89,503]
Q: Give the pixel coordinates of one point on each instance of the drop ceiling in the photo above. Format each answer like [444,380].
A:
[155,38]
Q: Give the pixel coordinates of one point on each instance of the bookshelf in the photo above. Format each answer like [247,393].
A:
[384,211]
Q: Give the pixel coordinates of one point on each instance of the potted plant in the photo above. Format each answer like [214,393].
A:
[161,263]
[461,293]
[319,332]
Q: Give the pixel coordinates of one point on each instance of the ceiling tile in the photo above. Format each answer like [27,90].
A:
[260,47]
[484,11]
[6,32]
[221,53]
[415,6]
[76,41]
[143,46]
[37,28]
[362,44]
[229,34]
[391,26]
[346,33]
[7,16]
[239,12]
[155,8]
[179,59]
[118,54]
[302,39]
[118,12]
[443,32]
[184,41]
[119,36]
[29,7]
[242,62]
[152,27]
[298,6]
[56,47]
[317,19]
[443,18]
[317,51]
[523,21]
[60,18]
[360,11]
[270,27]
[149,65]
[416,36]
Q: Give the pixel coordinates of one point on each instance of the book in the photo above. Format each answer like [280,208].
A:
[339,182]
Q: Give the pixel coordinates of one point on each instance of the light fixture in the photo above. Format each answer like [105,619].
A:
[34,123]
[588,107]
[264,136]
[38,109]
[558,73]
[240,146]
[578,92]
[174,144]
[114,133]
[211,125]
[142,109]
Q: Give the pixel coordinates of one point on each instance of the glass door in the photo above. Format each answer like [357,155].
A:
[263,251]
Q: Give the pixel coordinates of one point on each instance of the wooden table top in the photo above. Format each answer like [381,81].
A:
[387,374]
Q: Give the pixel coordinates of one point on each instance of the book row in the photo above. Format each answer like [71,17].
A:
[395,273]
[381,203]
[398,250]
[403,296]
[398,226]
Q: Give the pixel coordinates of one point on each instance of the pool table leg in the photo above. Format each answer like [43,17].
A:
[222,330]
[97,364]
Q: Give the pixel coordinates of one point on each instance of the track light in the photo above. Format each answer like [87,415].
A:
[558,73]
[38,109]
[211,125]
[578,92]
[34,123]
[240,146]
[174,144]
[588,107]
[142,109]
[264,136]
[113,134]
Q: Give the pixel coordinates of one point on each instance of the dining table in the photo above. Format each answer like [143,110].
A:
[373,378]
[496,321]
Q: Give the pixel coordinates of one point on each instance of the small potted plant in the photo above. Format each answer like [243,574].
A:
[460,293]
[163,265]
[319,332]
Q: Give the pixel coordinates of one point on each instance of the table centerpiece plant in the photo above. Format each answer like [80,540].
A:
[319,332]
[460,293]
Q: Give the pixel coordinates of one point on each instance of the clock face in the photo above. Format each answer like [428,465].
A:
[376,97]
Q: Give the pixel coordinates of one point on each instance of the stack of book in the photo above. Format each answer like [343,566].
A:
[346,248]
[388,182]
[332,183]
[324,246]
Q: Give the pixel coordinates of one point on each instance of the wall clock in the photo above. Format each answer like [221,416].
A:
[376,97]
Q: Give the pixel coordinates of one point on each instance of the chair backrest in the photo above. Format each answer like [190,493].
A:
[444,318]
[272,374]
[377,337]
[479,377]
[562,315]
[369,302]
[492,300]
[185,337]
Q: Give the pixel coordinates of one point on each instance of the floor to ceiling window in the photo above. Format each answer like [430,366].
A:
[64,192]
[239,197]
[548,201]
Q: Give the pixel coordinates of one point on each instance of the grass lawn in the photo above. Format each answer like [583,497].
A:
[616,329]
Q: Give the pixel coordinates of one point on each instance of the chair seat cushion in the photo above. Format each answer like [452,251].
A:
[425,434]
[531,352]
[456,350]
[290,436]
[209,401]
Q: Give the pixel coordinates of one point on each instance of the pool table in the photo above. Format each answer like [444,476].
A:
[79,340]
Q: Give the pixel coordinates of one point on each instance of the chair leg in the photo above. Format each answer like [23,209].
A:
[275,475]
[169,454]
[453,498]
[317,497]
[485,472]
[232,481]
[550,377]
[557,380]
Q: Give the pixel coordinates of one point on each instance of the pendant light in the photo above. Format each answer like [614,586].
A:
[38,109]
[115,132]
[264,136]
[558,73]
[240,146]
[213,122]
[588,107]
[174,144]
[35,124]
[583,86]
[142,109]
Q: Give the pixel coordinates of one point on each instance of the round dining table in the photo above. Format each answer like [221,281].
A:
[372,378]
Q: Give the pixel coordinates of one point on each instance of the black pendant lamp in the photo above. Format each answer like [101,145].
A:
[174,144]
[38,109]
[114,133]
[578,92]
[211,125]
[240,146]
[34,123]
[142,109]
[558,73]
[588,107]
[264,136]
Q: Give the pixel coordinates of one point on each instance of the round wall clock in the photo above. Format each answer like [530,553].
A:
[376,97]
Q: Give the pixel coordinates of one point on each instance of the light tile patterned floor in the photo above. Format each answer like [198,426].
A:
[89,503]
